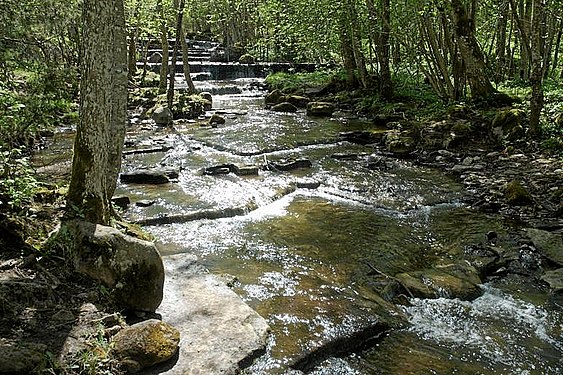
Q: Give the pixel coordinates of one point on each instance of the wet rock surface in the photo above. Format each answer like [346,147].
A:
[219,332]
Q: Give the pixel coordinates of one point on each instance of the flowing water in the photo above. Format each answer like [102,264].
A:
[302,245]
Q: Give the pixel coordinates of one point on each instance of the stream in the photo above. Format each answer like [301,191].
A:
[300,247]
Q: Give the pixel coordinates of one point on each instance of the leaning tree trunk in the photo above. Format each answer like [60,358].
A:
[186,63]
[471,53]
[103,92]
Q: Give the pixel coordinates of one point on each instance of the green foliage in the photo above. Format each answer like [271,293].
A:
[291,82]
[41,102]
[17,182]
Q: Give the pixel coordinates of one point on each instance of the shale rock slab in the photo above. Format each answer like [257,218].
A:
[219,332]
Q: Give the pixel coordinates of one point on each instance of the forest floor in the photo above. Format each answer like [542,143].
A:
[41,299]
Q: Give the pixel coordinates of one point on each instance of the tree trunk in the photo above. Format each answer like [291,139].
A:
[100,132]
[536,76]
[186,63]
[179,17]
[385,83]
[165,53]
[132,54]
[471,53]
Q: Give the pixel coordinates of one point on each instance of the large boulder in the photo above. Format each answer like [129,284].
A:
[297,100]
[320,109]
[155,58]
[145,344]
[516,194]
[130,267]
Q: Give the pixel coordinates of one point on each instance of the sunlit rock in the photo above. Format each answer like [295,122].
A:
[132,268]
[146,344]
[320,109]
[549,244]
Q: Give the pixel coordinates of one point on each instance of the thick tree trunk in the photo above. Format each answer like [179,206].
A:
[471,53]
[100,132]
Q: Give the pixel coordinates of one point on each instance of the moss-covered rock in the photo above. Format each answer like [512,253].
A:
[507,125]
[246,59]
[516,194]
[184,105]
[131,268]
[145,344]
[398,142]
[320,109]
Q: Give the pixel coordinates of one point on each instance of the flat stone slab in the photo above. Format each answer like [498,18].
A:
[219,333]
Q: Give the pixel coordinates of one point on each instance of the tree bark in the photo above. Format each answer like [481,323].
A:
[165,53]
[100,132]
[385,83]
[536,76]
[471,53]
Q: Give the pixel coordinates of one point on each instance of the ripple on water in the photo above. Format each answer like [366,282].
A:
[507,334]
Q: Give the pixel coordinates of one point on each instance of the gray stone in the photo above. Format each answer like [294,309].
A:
[21,357]
[146,344]
[399,143]
[162,116]
[554,279]
[245,170]
[130,266]
[219,331]
[246,59]
[549,244]
[320,109]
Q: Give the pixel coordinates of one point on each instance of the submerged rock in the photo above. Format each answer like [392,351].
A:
[290,164]
[435,283]
[146,344]
[216,119]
